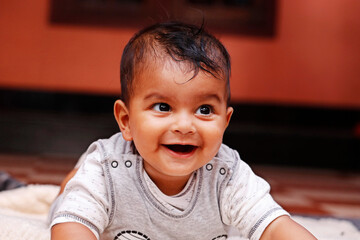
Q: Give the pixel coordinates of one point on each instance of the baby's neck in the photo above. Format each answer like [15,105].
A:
[170,186]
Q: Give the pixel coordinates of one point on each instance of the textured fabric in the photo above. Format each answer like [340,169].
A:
[110,196]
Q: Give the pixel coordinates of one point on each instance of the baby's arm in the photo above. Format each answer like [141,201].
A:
[71,231]
[248,206]
[81,209]
[284,228]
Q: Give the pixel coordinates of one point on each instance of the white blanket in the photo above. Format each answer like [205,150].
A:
[23,212]
[23,215]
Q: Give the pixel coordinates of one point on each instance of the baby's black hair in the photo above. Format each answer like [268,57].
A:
[182,42]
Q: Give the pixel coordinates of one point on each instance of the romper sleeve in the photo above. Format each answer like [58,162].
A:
[246,203]
[85,199]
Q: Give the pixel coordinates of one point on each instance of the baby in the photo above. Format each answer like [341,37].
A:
[167,175]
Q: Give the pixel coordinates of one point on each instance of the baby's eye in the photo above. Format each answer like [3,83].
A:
[161,107]
[204,110]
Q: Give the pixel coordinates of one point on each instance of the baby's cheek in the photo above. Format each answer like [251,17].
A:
[214,133]
[213,139]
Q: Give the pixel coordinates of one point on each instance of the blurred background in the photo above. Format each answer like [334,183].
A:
[295,74]
[295,87]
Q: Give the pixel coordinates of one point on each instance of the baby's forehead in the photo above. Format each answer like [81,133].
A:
[162,76]
[183,70]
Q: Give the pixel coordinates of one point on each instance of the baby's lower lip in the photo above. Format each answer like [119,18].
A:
[181,150]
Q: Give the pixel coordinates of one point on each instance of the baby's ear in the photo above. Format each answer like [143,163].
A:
[229,112]
[121,114]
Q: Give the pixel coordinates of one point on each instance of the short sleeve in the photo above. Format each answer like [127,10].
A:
[246,203]
[85,199]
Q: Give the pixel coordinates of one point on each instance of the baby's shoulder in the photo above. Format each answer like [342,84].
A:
[227,157]
[110,148]
[227,154]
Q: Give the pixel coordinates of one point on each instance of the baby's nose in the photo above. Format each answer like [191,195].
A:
[184,124]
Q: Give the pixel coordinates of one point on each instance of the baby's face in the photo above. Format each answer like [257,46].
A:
[177,124]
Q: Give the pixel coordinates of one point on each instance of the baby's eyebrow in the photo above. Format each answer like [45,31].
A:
[155,96]
[200,97]
[207,97]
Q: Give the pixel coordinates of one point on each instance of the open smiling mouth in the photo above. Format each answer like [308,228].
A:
[181,149]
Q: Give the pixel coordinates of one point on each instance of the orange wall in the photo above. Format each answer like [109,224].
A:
[314,58]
